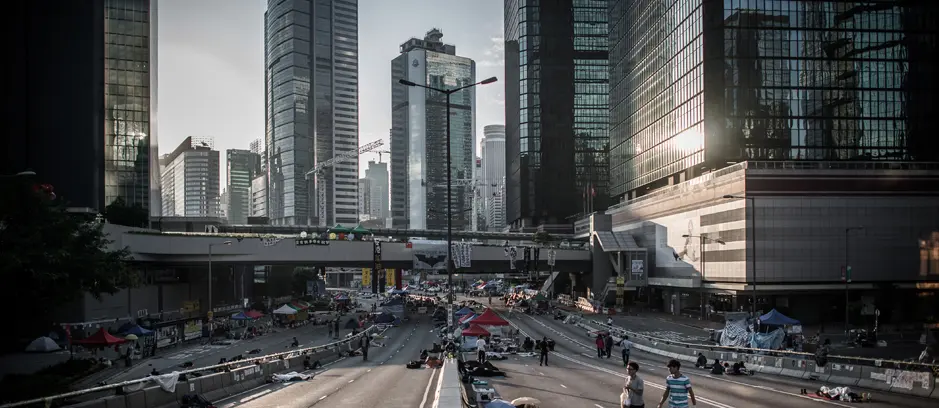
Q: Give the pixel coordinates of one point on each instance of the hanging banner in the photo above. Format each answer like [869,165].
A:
[390,277]
[513,255]
[552,257]
[377,287]
[366,277]
[398,281]
[430,257]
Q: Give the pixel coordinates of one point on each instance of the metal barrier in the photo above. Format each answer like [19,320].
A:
[449,387]
[240,372]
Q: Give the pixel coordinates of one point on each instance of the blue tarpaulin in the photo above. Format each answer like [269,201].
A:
[775,318]
[138,331]
[464,311]
[241,316]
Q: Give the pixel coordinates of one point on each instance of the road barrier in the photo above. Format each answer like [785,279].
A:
[449,386]
[919,380]
[237,377]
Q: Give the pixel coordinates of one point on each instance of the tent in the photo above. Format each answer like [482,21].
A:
[468,317]
[394,306]
[285,310]
[464,311]
[100,339]
[254,314]
[539,298]
[385,318]
[298,305]
[490,318]
[241,316]
[359,230]
[775,318]
[339,229]
[42,345]
[475,330]
[137,331]
[341,298]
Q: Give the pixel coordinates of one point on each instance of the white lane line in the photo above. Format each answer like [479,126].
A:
[323,397]
[351,381]
[430,383]
[563,386]
[598,405]
[253,396]
[440,384]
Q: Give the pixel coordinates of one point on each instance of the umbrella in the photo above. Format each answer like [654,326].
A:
[130,337]
[525,401]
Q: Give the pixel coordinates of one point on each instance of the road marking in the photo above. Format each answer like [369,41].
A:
[598,405]
[323,397]
[430,383]
[351,381]
[255,396]
[439,384]
[563,386]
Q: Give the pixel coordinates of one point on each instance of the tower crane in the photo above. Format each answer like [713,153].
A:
[380,153]
[320,167]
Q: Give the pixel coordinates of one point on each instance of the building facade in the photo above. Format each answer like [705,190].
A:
[378,196]
[259,196]
[311,109]
[365,202]
[191,180]
[491,183]
[419,128]
[556,111]
[699,84]
[243,166]
[104,147]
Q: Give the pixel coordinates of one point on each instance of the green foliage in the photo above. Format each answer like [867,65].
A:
[49,257]
[542,237]
[120,213]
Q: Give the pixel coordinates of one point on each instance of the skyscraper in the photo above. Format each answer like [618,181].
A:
[493,175]
[377,175]
[812,80]
[103,146]
[364,205]
[418,134]
[191,180]
[311,109]
[556,111]
[243,166]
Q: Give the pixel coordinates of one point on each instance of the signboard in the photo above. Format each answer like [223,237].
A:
[190,306]
[311,241]
[376,252]
[389,277]
[366,277]
[192,330]
[638,268]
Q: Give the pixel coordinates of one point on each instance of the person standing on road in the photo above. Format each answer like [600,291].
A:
[677,388]
[543,351]
[627,347]
[633,388]
[330,326]
[601,345]
[608,345]
[481,350]
[364,343]
[336,328]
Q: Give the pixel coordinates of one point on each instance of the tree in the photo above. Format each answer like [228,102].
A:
[301,275]
[542,237]
[49,257]
[120,213]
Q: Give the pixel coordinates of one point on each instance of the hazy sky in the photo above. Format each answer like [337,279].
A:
[211,58]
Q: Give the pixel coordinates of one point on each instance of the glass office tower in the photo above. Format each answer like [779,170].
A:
[698,84]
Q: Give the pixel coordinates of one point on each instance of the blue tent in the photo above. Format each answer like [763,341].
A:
[775,318]
[464,311]
[241,316]
[385,318]
[139,331]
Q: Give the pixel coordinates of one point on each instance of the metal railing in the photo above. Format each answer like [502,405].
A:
[228,365]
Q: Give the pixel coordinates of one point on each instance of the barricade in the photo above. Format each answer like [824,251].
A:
[874,378]
[449,387]
[791,367]
[815,372]
[844,374]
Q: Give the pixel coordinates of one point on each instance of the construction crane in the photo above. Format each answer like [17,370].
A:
[379,154]
[320,167]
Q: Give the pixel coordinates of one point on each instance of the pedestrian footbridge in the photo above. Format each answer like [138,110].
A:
[193,249]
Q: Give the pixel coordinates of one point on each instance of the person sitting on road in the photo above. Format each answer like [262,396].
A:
[528,344]
[702,361]
[717,368]
[738,369]
[295,343]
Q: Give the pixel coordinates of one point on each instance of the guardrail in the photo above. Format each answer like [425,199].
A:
[232,366]
[919,380]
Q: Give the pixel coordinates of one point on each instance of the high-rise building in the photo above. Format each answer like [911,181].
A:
[556,111]
[418,134]
[311,109]
[242,168]
[223,204]
[259,196]
[365,192]
[493,175]
[813,80]
[378,196]
[104,146]
[191,180]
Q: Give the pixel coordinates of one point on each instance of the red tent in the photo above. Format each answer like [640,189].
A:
[489,318]
[254,314]
[475,330]
[100,339]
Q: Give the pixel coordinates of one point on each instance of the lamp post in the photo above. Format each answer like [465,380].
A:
[847,274]
[703,239]
[210,270]
[752,201]
[448,93]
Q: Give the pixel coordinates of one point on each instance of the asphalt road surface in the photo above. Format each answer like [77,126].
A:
[382,381]
[575,377]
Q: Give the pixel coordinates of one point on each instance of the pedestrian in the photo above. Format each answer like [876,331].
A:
[608,345]
[364,343]
[330,329]
[634,388]
[627,347]
[677,388]
[601,345]
[481,350]
[543,351]
[336,328]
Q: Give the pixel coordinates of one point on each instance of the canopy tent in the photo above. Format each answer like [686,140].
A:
[385,318]
[285,310]
[464,311]
[475,330]
[468,317]
[42,345]
[100,339]
[341,298]
[137,330]
[539,298]
[775,318]
[298,305]
[241,316]
[360,230]
[490,318]
[339,229]
[254,314]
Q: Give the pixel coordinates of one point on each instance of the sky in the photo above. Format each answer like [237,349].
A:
[211,58]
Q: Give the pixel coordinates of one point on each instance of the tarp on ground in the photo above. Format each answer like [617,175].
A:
[464,311]
[42,345]
[776,318]
[490,318]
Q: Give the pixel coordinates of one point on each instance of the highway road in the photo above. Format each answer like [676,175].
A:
[382,381]
[576,377]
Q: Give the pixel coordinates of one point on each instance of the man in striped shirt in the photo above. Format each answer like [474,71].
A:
[677,388]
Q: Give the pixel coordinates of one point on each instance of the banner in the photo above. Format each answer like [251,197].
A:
[430,257]
[462,254]
[377,287]
[366,277]
[512,253]
[390,277]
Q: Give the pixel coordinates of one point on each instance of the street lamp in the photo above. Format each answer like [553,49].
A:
[448,93]
[847,273]
[752,201]
[210,270]
[702,239]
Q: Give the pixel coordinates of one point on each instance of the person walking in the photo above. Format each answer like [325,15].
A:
[627,347]
[678,390]
[634,388]
[364,343]
[336,328]
[601,345]
[608,345]
[481,350]
[543,351]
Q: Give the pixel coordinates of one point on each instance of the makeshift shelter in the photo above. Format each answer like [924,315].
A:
[359,230]
[341,298]
[539,298]
[775,318]
[490,318]
[241,316]
[254,314]
[475,330]
[394,306]
[285,310]
[42,345]
[299,305]
[385,318]
[100,339]
[339,229]
[464,311]
[467,318]
[136,330]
